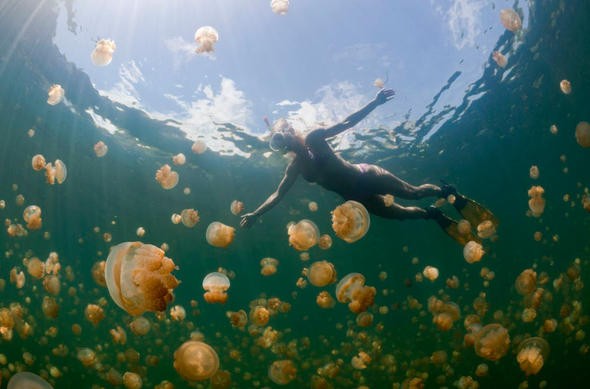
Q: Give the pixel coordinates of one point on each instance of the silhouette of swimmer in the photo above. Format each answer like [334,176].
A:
[368,184]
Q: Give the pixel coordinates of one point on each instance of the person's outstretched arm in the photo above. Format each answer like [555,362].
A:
[286,183]
[383,96]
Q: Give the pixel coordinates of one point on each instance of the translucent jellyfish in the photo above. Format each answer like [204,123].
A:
[268,266]
[360,361]
[325,300]
[199,147]
[206,37]
[325,242]
[492,342]
[196,361]
[364,319]
[132,380]
[100,149]
[236,207]
[140,326]
[321,273]
[526,282]
[473,251]
[532,354]
[138,277]
[486,229]
[237,319]
[534,172]
[219,235]
[32,216]
[379,83]
[566,87]
[179,159]
[189,217]
[280,7]
[510,19]
[583,134]
[430,272]
[303,235]
[536,201]
[167,177]
[36,268]
[352,290]
[140,232]
[55,95]
[50,307]
[216,284]
[350,221]
[259,315]
[282,372]
[94,313]
[312,206]
[500,59]
[27,380]
[176,218]
[388,200]
[102,54]
[38,162]
[56,172]
[464,227]
[177,313]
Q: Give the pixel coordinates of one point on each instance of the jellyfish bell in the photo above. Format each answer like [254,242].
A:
[55,94]
[536,201]
[583,134]
[102,55]
[179,159]
[189,217]
[350,221]
[38,162]
[138,277]
[280,7]
[321,273]
[206,37]
[282,372]
[268,266]
[492,342]
[473,252]
[219,234]
[167,178]
[565,86]
[216,285]
[500,59]
[61,172]
[532,354]
[510,19]
[100,149]
[27,380]
[199,147]
[351,289]
[32,216]
[196,361]
[236,207]
[303,235]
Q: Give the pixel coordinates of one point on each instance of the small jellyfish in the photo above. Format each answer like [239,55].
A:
[259,315]
[464,227]
[388,200]
[177,313]
[27,380]
[350,221]
[237,319]
[534,172]
[199,147]
[38,162]
[138,277]
[360,361]
[486,229]
[303,235]
[532,354]
[566,87]
[352,290]
[189,217]
[167,178]
[140,232]
[196,361]
[321,273]
[216,285]
[492,342]
[526,282]
[536,201]
[325,242]
[510,19]
[140,326]
[176,218]
[100,149]
[236,207]
[55,95]
[268,266]
[102,55]
[312,206]
[56,172]
[583,134]
[282,372]
[132,380]
[206,37]
[325,300]
[179,159]
[32,216]
[379,83]
[219,235]
[430,272]
[280,7]
[500,59]
[94,313]
[473,251]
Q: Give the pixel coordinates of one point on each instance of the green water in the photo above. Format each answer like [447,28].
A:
[486,150]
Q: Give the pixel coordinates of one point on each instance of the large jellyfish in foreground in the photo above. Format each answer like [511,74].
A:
[206,37]
[26,380]
[138,277]
[102,55]
[350,221]
[303,235]
[352,290]
[196,361]
[532,353]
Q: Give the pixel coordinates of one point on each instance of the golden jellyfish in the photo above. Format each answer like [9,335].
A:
[259,315]
[325,300]
[199,147]
[360,361]
[464,227]
[534,172]
[500,59]
[388,200]
[565,86]
[379,83]
[140,326]
[237,319]
[219,234]
[532,354]
[282,372]
[27,380]
[94,313]
[473,252]
[269,266]
[352,290]
[526,282]
[50,307]
[364,319]
[56,172]
[32,216]
[179,159]
[98,273]
[189,217]
[325,242]
[138,277]
[350,221]
[486,229]
[36,268]
[236,207]
[430,272]
[312,206]
[206,37]
[167,178]
[280,7]
[536,201]
[51,284]
[216,285]
[321,273]
[100,149]
[492,342]
[583,134]
[55,94]
[38,162]
[176,218]
[177,313]
[510,19]
[303,235]
[102,55]
[196,361]
[140,232]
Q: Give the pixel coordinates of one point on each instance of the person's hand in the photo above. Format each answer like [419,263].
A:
[384,95]
[248,220]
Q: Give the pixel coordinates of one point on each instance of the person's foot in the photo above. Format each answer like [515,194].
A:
[447,189]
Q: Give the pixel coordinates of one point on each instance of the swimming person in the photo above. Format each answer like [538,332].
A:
[368,184]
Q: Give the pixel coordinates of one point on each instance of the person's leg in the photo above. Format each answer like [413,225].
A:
[382,181]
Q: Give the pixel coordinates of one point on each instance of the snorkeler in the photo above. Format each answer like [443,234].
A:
[368,184]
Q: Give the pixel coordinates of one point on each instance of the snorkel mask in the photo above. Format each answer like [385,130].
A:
[278,142]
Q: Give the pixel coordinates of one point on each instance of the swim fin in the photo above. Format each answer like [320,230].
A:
[473,212]
[450,226]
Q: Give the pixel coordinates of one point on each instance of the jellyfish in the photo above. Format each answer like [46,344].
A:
[177,313]
[583,134]
[61,172]
[167,177]
[534,172]
[237,319]
[430,272]
[36,268]
[199,147]
[140,232]
[269,266]
[565,86]
[102,55]
[196,361]
[100,149]
[219,235]
[360,360]
[321,273]
[206,37]
[32,216]
[352,290]
[282,372]
[379,83]
[510,19]
[138,277]
[350,221]
[500,59]
[259,315]
[492,342]
[140,326]
[526,282]
[27,380]
[280,7]
[325,300]
[536,201]
[312,206]
[176,218]
[473,251]
[189,217]
[55,94]
[303,235]
[50,307]
[236,207]
[464,227]
[94,313]
[532,354]
[364,319]
[38,162]
[216,284]
[179,159]
[325,242]
[486,229]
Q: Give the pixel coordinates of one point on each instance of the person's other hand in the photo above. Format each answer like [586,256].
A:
[384,95]
[248,220]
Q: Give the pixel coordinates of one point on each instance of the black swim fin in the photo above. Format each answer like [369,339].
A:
[450,226]
[473,212]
